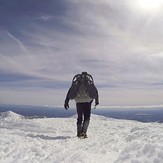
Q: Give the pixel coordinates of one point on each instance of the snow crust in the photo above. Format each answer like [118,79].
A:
[53,140]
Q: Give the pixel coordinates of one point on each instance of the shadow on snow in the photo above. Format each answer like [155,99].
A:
[49,137]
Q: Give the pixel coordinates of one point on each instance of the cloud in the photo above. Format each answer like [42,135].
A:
[49,42]
[20,44]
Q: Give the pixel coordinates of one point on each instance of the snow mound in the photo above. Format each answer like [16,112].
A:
[99,117]
[94,117]
[10,116]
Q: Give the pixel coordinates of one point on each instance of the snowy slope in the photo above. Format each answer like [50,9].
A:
[54,140]
[10,116]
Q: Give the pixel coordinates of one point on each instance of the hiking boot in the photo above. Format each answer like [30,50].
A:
[84,135]
[79,134]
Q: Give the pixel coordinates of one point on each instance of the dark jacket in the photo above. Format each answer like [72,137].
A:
[96,99]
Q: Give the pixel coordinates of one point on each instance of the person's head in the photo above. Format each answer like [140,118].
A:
[84,73]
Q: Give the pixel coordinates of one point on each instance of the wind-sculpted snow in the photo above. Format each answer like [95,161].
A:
[53,140]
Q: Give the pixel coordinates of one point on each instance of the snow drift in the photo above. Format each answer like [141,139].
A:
[53,140]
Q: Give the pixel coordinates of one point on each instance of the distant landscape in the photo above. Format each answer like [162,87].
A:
[139,114]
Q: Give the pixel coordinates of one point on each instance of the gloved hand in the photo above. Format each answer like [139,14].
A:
[96,103]
[66,105]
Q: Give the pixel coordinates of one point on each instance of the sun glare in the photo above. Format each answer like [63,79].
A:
[150,5]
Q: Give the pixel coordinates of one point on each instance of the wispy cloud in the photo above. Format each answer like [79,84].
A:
[19,42]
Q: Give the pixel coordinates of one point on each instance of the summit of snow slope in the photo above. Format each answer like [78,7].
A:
[10,116]
[53,140]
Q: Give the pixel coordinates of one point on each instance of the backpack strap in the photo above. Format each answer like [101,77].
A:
[76,78]
[90,78]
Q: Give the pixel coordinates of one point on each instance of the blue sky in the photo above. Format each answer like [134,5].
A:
[43,44]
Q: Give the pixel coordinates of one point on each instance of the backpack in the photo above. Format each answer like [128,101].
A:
[82,85]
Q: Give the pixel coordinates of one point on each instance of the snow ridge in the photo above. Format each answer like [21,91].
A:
[10,116]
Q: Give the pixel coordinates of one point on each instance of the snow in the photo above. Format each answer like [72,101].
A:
[53,140]
[10,116]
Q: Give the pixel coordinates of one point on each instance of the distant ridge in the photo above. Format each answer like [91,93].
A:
[130,107]
[10,116]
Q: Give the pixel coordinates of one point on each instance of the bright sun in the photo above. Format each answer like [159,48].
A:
[150,5]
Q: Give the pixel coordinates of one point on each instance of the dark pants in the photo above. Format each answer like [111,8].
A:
[84,113]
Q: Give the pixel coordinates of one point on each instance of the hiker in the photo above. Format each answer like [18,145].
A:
[83,91]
